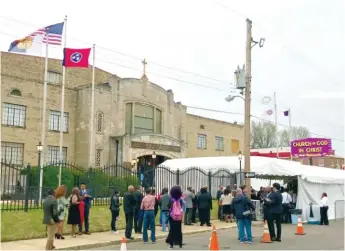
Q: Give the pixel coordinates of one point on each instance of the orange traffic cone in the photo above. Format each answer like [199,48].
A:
[266,238]
[299,230]
[214,240]
[123,245]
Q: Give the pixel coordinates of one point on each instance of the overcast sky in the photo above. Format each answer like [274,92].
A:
[301,60]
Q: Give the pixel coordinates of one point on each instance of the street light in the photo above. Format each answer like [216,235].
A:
[39,151]
[240,159]
[231,98]
[153,166]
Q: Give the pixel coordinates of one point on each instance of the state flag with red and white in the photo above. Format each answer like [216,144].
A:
[76,58]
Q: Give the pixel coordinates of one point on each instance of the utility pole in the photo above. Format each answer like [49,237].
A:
[247,101]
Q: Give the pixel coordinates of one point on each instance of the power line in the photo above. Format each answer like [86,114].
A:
[152,73]
[259,118]
[168,77]
[299,54]
[133,57]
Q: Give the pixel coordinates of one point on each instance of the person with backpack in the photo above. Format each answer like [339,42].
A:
[176,206]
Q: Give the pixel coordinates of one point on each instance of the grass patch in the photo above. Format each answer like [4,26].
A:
[18,225]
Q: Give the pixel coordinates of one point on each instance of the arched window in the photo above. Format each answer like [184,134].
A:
[16,93]
[100,122]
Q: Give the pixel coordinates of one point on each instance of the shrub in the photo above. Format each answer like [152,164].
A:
[100,183]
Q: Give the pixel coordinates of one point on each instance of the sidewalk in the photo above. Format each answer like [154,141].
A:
[105,238]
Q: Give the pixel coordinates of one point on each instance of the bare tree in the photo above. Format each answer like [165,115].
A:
[263,135]
[297,132]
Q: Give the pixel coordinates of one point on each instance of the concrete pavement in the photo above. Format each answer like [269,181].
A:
[105,239]
[317,238]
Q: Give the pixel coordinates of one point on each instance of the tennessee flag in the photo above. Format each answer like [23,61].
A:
[76,57]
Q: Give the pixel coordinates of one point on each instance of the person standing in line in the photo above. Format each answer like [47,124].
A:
[156,202]
[275,210]
[242,207]
[225,201]
[188,197]
[50,218]
[324,209]
[138,220]
[175,218]
[129,203]
[115,211]
[73,211]
[62,205]
[87,198]
[194,207]
[148,206]
[164,203]
[204,205]
[287,200]
[219,194]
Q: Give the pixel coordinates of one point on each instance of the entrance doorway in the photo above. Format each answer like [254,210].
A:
[147,160]
[146,169]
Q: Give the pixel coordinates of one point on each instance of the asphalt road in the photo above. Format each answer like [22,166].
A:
[317,238]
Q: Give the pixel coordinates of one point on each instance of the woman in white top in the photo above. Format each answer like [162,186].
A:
[324,209]
[226,200]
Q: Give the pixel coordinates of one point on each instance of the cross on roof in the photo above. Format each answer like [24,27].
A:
[144,63]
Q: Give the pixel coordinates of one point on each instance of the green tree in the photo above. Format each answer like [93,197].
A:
[297,132]
[263,135]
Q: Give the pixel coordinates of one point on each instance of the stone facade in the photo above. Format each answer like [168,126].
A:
[133,117]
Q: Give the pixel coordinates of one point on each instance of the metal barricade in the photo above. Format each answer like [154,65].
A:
[339,209]
[258,210]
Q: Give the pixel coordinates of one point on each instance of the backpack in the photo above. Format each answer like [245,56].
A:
[176,211]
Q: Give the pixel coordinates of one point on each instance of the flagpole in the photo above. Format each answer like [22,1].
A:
[62,104]
[43,133]
[276,123]
[91,157]
[290,132]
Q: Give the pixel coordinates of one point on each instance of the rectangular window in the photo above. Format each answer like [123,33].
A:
[14,115]
[158,121]
[54,78]
[143,119]
[235,146]
[54,121]
[12,153]
[202,141]
[219,143]
[54,154]
[98,161]
[129,118]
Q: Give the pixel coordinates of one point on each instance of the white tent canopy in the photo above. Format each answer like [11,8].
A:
[312,180]
[262,166]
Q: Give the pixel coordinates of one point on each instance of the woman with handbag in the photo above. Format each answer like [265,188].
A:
[242,207]
[62,204]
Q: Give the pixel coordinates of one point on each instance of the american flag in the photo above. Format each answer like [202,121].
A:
[52,34]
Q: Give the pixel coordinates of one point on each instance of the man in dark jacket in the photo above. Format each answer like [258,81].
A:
[128,207]
[242,207]
[115,210]
[275,210]
[50,218]
[138,221]
[219,194]
[204,204]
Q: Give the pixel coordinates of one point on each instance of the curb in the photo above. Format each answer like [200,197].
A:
[137,239]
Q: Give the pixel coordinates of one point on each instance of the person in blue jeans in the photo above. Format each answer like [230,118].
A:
[164,201]
[148,206]
[241,206]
